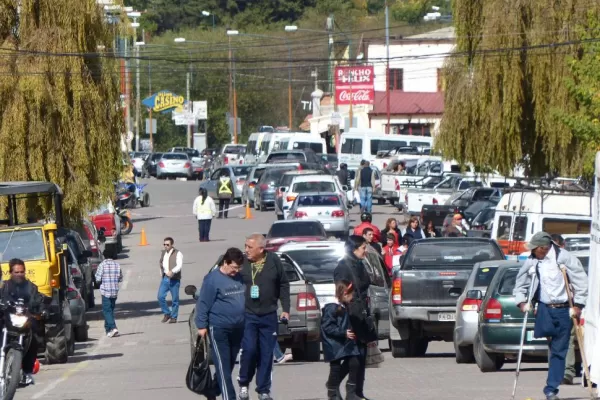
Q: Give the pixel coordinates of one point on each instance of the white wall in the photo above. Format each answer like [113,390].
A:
[420,74]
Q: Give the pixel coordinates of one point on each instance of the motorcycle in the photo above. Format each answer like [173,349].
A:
[126,197]
[16,338]
[125,218]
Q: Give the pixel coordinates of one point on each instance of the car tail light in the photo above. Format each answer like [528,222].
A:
[241,181]
[470,305]
[435,201]
[493,310]
[264,186]
[251,185]
[337,213]
[161,164]
[289,199]
[300,168]
[225,160]
[241,161]
[187,165]
[385,165]
[397,184]
[307,302]
[90,236]
[75,271]
[397,291]
[300,214]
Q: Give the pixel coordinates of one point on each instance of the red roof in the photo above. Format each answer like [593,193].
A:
[409,103]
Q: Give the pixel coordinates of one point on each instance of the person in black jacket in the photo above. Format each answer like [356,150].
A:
[339,343]
[352,269]
[266,284]
[391,226]
[19,288]
[343,175]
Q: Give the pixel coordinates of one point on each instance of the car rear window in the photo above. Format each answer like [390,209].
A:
[286,157]
[174,156]
[156,156]
[239,171]
[451,253]
[308,228]
[316,147]
[484,276]
[316,186]
[234,149]
[507,284]
[275,174]
[258,173]
[290,271]
[318,201]
[317,265]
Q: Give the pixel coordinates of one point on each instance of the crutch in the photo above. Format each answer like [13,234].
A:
[531,272]
[578,333]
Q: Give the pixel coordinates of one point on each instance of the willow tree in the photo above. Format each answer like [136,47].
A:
[60,117]
[506,78]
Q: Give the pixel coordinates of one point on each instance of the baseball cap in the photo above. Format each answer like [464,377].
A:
[540,239]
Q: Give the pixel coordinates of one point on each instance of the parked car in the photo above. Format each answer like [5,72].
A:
[108,223]
[93,241]
[302,332]
[172,165]
[432,275]
[264,191]
[467,310]
[237,174]
[230,155]
[282,232]
[78,260]
[149,167]
[330,161]
[500,323]
[281,195]
[328,208]
[318,260]
[78,316]
[249,186]
[138,159]
[304,156]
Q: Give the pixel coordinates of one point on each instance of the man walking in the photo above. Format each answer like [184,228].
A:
[552,316]
[266,283]
[171,262]
[225,193]
[364,183]
[109,275]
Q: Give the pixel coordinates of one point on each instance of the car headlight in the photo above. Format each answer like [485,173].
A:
[18,321]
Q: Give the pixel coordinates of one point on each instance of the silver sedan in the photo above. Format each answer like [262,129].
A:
[327,208]
[174,165]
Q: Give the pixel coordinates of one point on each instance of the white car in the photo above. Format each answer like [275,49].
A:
[304,183]
[137,160]
[282,196]
[327,208]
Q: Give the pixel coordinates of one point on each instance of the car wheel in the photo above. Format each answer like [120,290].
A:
[81,332]
[487,362]
[464,354]
[412,347]
[380,201]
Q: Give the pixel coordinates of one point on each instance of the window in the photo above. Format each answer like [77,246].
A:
[451,254]
[175,156]
[215,175]
[264,147]
[318,201]
[297,228]
[234,149]
[26,245]
[352,146]
[503,232]
[484,276]
[520,229]
[317,265]
[385,145]
[396,79]
[565,226]
[290,271]
[316,147]
[251,147]
[303,187]
[293,157]
[483,194]
[508,283]
[240,171]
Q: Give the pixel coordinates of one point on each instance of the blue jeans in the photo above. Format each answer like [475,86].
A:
[277,353]
[366,199]
[169,285]
[225,344]
[260,337]
[204,229]
[108,309]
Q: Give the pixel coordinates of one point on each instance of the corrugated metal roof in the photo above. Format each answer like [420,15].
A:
[409,103]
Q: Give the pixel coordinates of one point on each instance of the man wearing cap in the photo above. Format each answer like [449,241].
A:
[552,316]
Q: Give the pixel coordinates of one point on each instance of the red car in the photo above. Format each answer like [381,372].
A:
[283,232]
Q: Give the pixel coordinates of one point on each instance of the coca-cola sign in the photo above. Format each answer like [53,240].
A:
[354,85]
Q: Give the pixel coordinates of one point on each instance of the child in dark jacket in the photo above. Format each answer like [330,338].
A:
[339,344]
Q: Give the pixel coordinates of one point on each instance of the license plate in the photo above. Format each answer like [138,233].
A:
[326,226]
[530,337]
[446,317]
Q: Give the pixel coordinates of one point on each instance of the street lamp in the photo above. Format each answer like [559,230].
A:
[207,14]
[287,43]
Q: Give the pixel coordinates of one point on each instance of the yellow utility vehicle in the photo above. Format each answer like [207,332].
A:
[38,242]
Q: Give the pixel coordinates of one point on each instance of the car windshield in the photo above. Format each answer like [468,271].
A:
[484,216]
[286,157]
[174,156]
[27,245]
[239,171]
[234,149]
[318,200]
[274,174]
[484,276]
[317,265]
[464,253]
[287,229]
[316,186]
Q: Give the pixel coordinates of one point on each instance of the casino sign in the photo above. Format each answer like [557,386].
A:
[164,101]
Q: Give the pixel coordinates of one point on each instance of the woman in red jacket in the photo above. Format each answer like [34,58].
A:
[389,251]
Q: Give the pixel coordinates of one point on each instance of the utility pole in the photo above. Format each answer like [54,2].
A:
[150,127]
[137,88]
[289,85]
[189,108]
[387,69]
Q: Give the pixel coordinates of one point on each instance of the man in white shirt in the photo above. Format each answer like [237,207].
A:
[171,261]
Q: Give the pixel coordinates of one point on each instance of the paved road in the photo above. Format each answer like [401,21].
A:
[149,359]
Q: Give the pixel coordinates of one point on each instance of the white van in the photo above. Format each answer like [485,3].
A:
[522,213]
[298,141]
[271,142]
[359,144]
[253,147]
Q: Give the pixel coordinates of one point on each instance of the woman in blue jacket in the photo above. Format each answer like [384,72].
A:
[339,344]
[220,314]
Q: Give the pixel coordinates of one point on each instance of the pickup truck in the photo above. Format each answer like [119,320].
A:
[392,182]
[459,203]
[230,155]
[106,220]
[440,193]
[426,286]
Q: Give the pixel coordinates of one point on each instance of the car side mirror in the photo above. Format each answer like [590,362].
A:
[283,189]
[345,188]
[474,295]
[190,290]
[253,182]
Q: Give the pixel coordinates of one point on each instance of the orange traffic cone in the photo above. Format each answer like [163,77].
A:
[248,213]
[143,241]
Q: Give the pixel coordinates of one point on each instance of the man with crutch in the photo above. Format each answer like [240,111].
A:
[549,293]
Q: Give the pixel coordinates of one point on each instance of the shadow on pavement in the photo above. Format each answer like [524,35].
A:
[439,355]
[128,310]
[79,357]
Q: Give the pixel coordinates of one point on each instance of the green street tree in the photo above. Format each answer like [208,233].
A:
[504,80]
[60,118]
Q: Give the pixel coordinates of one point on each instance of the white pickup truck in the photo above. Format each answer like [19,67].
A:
[393,184]
[416,198]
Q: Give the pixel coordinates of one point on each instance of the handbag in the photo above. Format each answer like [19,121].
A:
[199,379]
[374,356]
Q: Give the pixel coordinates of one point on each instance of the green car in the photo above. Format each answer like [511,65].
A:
[500,322]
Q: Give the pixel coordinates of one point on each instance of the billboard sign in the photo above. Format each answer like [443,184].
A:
[354,85]
[164,101]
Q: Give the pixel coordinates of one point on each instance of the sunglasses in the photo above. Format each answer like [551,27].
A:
[167,244]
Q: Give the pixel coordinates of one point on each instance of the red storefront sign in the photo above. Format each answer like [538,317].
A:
[356,83]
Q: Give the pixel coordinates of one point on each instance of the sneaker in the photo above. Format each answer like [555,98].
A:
[26,380]
[243,395]
[113,333]
[567,380]
[284,359]
[264,396]
[552,396]
[173,321]
[166,318]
